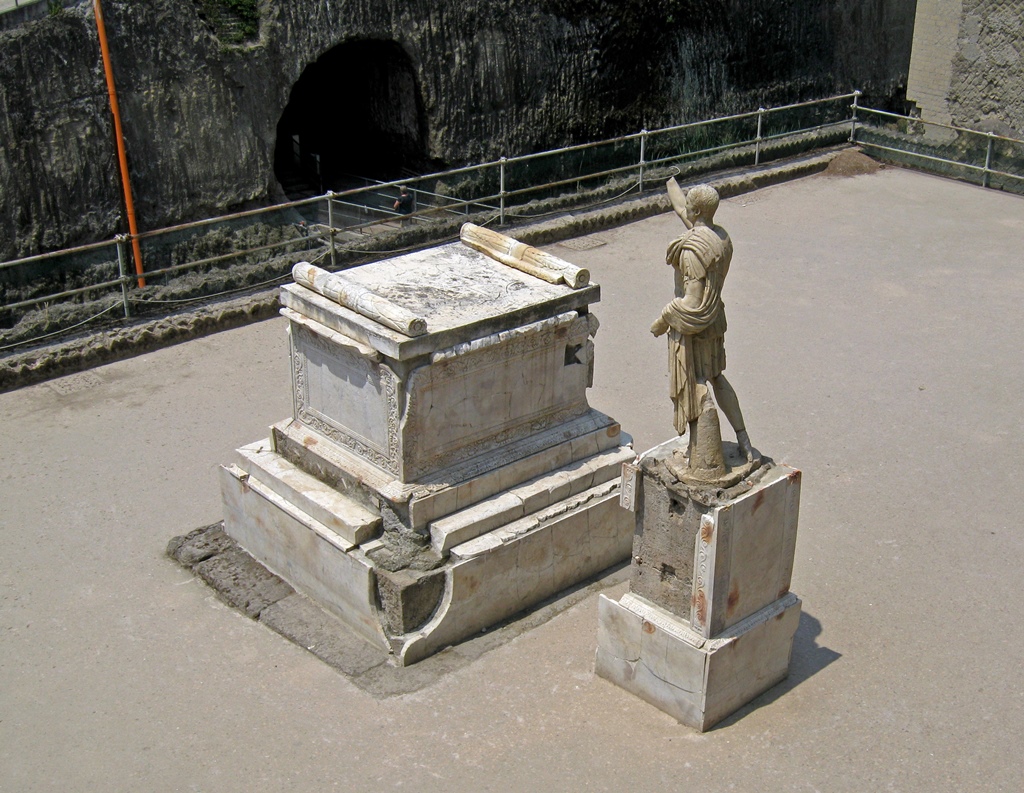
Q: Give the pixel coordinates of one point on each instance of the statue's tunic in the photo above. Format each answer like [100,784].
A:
[696,338]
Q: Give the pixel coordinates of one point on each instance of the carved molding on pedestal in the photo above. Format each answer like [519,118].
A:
[381,377]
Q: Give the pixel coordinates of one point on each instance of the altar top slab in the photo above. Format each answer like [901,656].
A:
[461,293]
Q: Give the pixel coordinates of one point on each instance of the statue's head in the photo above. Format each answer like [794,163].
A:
[702,201]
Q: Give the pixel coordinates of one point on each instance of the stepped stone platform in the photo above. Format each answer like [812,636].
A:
[709,619]
[442,469]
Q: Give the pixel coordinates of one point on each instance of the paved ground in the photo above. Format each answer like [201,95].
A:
[875,337]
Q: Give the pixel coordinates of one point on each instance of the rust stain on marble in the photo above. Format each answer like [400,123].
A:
[701,606]
[734,599]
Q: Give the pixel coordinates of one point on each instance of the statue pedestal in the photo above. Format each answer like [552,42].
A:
[429,486]
[709,620]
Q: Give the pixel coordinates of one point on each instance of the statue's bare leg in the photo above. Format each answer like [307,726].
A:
[729,404]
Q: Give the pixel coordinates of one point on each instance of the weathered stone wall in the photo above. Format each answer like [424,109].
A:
[967,66]
[497,77]
[987,87]
[58,167]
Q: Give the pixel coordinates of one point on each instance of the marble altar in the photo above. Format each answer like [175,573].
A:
[442,469]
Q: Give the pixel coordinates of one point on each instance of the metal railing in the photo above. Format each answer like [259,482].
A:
[984,158]
[204,255]
[37,8]
[10,5]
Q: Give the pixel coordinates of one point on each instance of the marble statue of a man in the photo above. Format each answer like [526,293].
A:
[695,319]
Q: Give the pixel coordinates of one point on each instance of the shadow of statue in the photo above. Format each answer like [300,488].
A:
[808,659]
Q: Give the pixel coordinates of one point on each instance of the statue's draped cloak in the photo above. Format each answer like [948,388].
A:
[696,338]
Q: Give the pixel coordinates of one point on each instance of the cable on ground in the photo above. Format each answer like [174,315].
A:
[61,331]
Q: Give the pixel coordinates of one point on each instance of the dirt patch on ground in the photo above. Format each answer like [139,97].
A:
[852,162]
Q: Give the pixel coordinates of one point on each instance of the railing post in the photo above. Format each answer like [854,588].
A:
[757,140]
[988,160]
[330,223]
[643,156]
[122,157]
[122,240]
[501,191]
[853,118]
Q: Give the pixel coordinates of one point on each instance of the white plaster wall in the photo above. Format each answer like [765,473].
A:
[936,28]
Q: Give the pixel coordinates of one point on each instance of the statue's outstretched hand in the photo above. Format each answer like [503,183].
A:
[659,327]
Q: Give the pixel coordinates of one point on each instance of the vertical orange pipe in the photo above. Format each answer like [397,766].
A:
[119,139]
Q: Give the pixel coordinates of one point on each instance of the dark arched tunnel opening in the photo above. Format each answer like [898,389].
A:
[355,112]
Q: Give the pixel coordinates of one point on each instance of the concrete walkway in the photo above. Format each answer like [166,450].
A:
[875,342]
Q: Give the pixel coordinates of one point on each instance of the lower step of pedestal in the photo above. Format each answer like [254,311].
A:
[487,578]
[655,655]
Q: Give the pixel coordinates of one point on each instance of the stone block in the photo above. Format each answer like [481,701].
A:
[331,463]
[576,550]
[477,489]
[581,476]
[476,520]
[527,498]
[434,505]
[663,549]
[655,655]
[472,481]
[717,557]
[750,657]
[316,498]
[709,620]
[619,634]
[584,447]
[744,555]
[408,598]
[561,485]
[497,575]
[242,581]
[535,495]
[535,465]
[275,533]
[467,391]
